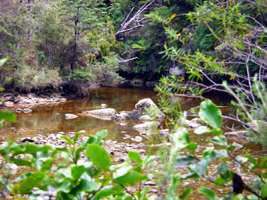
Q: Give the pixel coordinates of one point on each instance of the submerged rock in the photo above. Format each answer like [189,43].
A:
[146,127]
[23,110]
[137,82]
[123,115]
[127,115]
[145,118]
[103,114]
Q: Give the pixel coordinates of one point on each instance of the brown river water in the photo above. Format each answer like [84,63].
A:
[51,118]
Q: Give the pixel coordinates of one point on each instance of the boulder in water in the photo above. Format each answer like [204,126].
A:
[146,127]
[147,106]
[145,118]
[69,116]
[103,114]
[137,82]
[127,115]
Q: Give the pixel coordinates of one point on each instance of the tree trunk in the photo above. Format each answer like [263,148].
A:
[76,38]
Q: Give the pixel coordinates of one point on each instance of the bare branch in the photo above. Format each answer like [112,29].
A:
[135,19]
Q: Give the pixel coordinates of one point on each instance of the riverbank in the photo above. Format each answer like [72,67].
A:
[25,102]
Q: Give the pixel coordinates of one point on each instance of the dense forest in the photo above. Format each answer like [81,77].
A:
[196,51]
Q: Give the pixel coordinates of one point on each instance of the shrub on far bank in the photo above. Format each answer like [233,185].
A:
[28,76]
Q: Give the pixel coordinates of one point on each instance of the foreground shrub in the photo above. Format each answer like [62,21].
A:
[77,171]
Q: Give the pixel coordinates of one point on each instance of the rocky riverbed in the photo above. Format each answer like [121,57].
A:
[25,103]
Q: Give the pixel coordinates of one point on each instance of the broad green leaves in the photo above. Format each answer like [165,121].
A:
[7,116]
[99,156]
[132,177]
[208,193]
[26,185]
[92,176]
[210,114]
[264,190]
[108,191]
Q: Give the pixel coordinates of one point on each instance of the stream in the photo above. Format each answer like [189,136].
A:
[49,119]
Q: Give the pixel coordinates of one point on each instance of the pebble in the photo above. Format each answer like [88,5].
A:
[9,104]
[164,132]
[137,139]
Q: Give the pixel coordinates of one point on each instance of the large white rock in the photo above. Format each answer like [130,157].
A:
[142,104]
[9,104]
[148,107]
[103,114]
[69,116]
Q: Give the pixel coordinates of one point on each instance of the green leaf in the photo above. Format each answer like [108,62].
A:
[64,196]
[184,161]
[68,140]
[26,185]
[3,61]
[200,168]
[122,170]
[262,163]
[77,171]
[180,138]
[264,190]
[225,175]
[210,114]
[99,156]
[208,193]
[191,146]
[211,154]
[219,140]
[131,178]
[86,184]
[7,116]
[135,157]
[107,191]
[98,137]
[21,162]
[77,136]
[186,193]
[101,134]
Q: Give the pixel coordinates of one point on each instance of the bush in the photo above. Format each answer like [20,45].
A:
[69,174]
[103,72]
[28,76]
